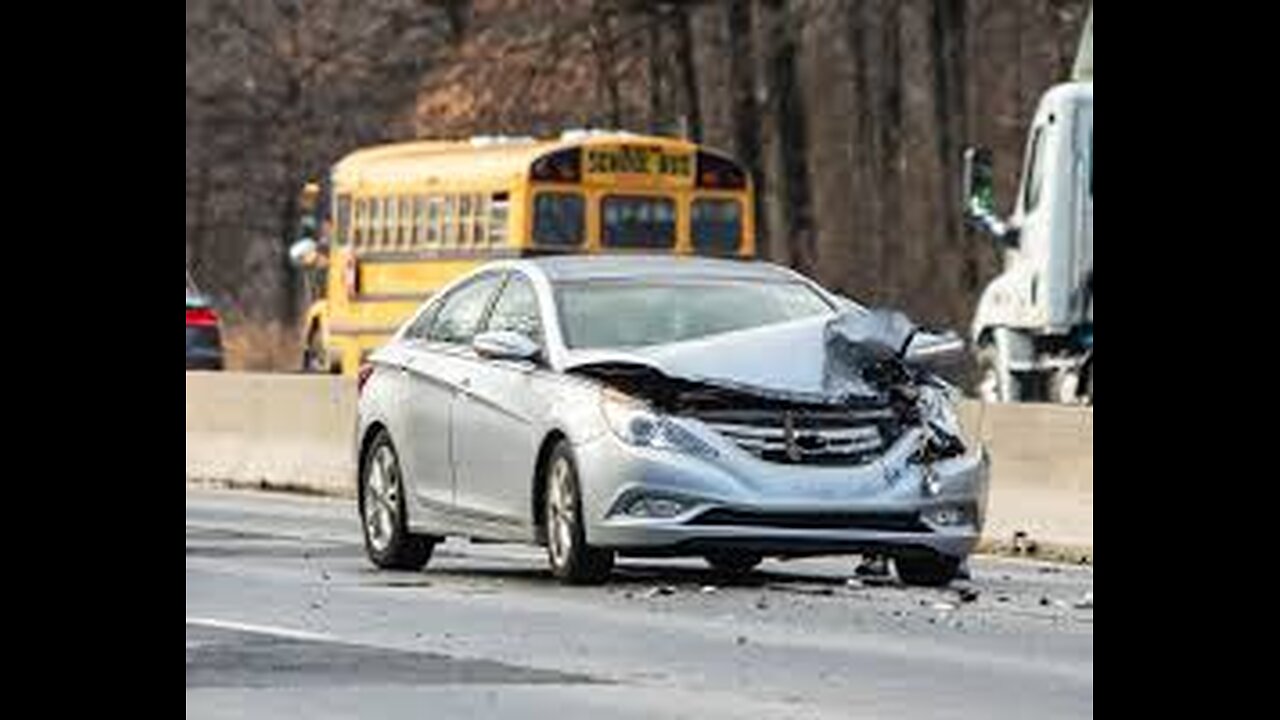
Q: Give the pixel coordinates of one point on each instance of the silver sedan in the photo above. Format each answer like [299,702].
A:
[663,406]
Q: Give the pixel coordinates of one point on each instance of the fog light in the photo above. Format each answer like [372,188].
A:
[947,515]
[649,507]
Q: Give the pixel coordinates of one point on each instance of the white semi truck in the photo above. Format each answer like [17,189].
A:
[1033,329]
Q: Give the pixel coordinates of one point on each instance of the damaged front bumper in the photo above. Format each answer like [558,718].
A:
[645,501]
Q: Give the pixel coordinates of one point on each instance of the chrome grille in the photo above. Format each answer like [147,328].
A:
[808,437]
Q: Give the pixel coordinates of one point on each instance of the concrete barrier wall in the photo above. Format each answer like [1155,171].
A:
[296,431]
[1041,470]
[286,430]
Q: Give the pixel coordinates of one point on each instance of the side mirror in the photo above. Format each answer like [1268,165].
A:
[979,182]
[304,253]
[980,196]
[505,345]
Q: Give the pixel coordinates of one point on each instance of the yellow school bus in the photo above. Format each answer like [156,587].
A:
[396,222]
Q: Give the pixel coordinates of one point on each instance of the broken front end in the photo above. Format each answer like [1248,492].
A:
[798,439]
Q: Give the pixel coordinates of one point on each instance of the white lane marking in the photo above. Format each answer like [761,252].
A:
[260,629]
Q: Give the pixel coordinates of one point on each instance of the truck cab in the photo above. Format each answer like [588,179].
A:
[1033,327]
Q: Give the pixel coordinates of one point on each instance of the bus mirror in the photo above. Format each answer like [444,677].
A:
[304,253]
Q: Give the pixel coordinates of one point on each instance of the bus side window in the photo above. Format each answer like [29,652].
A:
[406,226]
[361,214]
[481,220]
[391,220]
[375,223]
[419,220]
[499,207]
[388,222]
[450,229]
[344,220]
[433,220]
[466,209]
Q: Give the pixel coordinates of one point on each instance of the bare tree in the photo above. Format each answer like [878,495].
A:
[850,114]
[787,182]
[275,91]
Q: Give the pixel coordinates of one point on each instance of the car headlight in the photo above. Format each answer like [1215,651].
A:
[938,409]
[635,423]
[944,435]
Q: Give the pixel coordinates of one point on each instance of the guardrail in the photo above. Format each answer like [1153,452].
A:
[295,432]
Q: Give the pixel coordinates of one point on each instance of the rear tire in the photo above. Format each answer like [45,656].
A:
[573,561]
[928,570]
[733,562]
[387,539]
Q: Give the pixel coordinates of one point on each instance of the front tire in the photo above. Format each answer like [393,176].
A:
[928,571]
[315,356]
[573,562]
[387,539]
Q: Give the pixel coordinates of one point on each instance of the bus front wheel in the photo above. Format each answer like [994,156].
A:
[315,357]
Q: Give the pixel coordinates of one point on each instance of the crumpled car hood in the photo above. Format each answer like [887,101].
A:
[817,359]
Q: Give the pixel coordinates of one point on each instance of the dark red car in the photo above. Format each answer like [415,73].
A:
[204,334]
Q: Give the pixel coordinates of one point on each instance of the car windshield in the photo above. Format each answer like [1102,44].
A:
[611,314]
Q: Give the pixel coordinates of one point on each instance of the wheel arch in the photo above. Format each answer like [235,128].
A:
[539,485]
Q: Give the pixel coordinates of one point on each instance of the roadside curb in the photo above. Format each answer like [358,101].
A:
[1035,549]
[269,486]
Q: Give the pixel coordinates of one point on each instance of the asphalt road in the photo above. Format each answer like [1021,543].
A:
[286,618]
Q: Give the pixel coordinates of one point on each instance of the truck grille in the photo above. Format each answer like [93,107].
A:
[810,436]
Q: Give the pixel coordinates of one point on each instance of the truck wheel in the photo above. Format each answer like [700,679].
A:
[1023,387]
[988,389]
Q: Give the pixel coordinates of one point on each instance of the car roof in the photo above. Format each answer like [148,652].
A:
[570,268]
